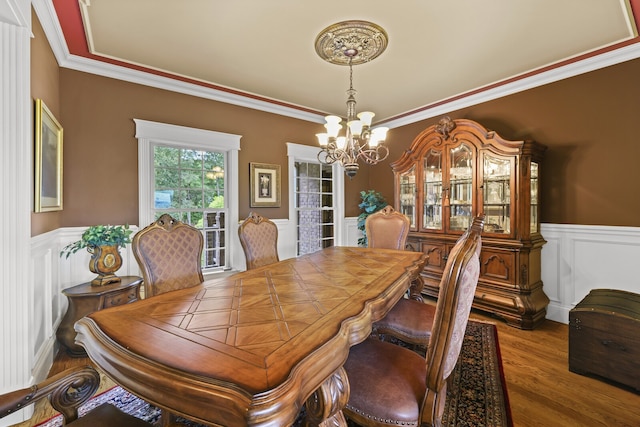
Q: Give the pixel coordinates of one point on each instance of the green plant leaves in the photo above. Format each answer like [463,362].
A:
[100,235]
[372,201]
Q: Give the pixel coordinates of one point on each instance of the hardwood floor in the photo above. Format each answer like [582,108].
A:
[542,391]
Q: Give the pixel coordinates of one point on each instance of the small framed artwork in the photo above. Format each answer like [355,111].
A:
[48,160]
[265,185]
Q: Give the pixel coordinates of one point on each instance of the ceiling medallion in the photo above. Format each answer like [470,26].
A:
[351,42]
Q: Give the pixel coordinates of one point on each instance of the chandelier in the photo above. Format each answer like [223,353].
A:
[352,43]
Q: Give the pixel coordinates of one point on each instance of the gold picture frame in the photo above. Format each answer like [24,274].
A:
[265,185]
[48,160]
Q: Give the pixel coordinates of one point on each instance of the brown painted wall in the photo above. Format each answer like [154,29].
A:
[101,176]
[44,85]
[591,167]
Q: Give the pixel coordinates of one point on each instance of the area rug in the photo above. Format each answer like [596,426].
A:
[477,394]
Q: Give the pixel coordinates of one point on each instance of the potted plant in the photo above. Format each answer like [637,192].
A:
[372,201]
[103,242]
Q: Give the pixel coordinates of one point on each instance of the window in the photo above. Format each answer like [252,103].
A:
[316,208]
[189,186]
[190,174]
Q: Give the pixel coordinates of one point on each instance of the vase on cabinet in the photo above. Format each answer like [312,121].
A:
[103,242]
[105,261]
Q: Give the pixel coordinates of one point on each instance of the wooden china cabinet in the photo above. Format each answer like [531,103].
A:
[455,170]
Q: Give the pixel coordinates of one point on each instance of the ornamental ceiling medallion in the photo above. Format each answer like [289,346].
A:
[351,42]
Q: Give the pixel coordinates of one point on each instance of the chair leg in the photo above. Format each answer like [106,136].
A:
[167,419]
[434,407]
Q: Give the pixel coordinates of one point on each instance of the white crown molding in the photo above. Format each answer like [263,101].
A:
[48,19]
[46,13]
[92,66]
[593,63]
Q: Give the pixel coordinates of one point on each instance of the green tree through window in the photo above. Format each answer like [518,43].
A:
[189,185]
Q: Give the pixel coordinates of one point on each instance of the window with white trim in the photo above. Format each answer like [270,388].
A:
[190,174]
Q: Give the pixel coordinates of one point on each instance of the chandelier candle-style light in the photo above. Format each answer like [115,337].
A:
[352,43]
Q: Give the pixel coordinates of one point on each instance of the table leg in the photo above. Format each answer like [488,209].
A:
[324,406]
[415,290]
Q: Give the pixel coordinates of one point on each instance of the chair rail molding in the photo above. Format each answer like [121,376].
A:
[575,260]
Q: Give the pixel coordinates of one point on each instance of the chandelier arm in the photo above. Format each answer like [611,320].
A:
[373,156]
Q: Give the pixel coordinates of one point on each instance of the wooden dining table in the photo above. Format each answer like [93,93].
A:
[253,348]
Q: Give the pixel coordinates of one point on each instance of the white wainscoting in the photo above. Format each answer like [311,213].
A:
[575,260]
[51,274]
[578,258]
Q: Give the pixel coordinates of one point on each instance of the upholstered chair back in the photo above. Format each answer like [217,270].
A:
[394,385]
[259,240]
[169,253]
[457,288]
[387,229]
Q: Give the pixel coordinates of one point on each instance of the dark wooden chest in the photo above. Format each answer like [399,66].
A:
[604,336]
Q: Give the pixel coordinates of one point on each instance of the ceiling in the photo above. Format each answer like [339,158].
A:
[262,52]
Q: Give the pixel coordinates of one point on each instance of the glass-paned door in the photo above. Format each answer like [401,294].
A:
[432,203]
[408,195]
[534,198]
[314,207]
[497,194]
[460,187]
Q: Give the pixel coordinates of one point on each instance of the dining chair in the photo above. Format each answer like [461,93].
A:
[411,319]
[169,253]
[393,385]
[67,391]
[259,239]
[387,229]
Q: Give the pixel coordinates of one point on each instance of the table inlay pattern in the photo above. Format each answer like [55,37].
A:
[262,311]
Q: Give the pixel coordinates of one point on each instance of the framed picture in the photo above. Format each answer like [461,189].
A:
[265,185]
[48,160]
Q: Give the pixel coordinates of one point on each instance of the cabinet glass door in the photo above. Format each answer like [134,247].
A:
[432,203]
[408,195]
[534,197]
[497,195]
[460,187]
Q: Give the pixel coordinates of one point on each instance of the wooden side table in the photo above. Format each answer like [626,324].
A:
[85,299]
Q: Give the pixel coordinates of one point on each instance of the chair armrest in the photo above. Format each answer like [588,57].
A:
[66,390]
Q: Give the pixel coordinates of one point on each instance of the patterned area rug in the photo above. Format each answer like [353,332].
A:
[477,395]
